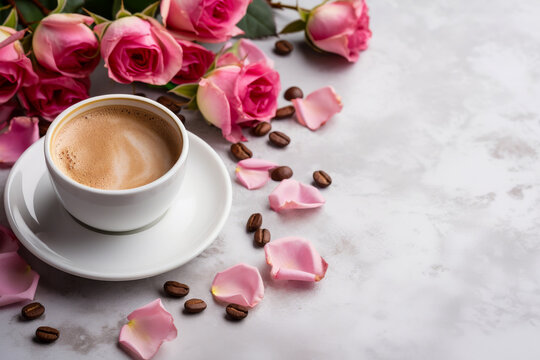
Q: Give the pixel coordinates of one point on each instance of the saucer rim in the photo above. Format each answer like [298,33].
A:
[119,276]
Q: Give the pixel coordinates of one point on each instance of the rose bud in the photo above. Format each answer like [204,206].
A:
[340,27]
[15,67]
[139,49]
[196,61]
[210,21]
[64,43]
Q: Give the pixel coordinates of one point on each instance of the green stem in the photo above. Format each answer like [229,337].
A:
[279,5]
[41,8]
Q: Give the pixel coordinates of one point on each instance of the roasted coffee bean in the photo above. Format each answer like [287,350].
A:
[170,103]
[47,334]
[321,178]
[261,129]
[193,306]
[182,118]
[281,173]
[236,312]
[283,47]
[43,126]
[284,112]
[141,94]
[175,289]
[279,139]
[261,237]
[241,151]
[254,222]
[32,311]
[293,92]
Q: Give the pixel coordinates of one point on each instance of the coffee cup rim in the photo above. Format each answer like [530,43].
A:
[94,99]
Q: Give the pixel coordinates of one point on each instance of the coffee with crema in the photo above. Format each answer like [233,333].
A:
[116,147]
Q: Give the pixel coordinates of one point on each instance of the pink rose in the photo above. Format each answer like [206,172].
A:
[139,49]
[234,96]
[196,61]
[203,20]
[15,67]
[340,27]
[65,44]
[53,94]
[245,52]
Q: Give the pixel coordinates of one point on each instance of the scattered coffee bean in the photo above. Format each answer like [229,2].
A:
[241,151]
[236,312]
[279,139]
[254,222]
[283,47]
[43,126]
[169,103]
[261,237]
[193,306]
[321,178]
[175,289]
[284,112]
[47,334]
[293,92]
[261,129]
[281,173]
[141,94]
[32,311]
[182,118]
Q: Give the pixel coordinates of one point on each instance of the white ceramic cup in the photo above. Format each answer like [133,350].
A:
[117,210]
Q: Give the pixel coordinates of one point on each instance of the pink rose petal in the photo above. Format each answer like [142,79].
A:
[18,281]
[291,194]
[8,241]
[148,327]
[253,173]
[241,284]
[294,258]
[22,132]
[317,108]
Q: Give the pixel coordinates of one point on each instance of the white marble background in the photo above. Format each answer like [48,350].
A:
[430,228]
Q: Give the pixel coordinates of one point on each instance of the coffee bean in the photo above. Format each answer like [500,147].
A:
[141,94]
[47,334]
[169,103]
[182,118]
[281,173]
[236,312]
[261,237]
[321,178]
[254,222]
[261,129]
[32,311]
[283,47]
[175,289]
[279,139]
[284,112]
[241,151]
[293,92]
[193,306]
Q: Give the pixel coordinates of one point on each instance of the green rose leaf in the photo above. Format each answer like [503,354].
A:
[258,21]
[11,19]
[295,26]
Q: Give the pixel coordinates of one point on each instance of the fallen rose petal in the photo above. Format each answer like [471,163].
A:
[317,108]
[18,281]
[8,242]
[253,173]
[22,132]
[294,258]
[291,194]
[240,284]
[148,327]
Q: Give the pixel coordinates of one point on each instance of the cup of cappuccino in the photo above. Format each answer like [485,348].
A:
[116,162]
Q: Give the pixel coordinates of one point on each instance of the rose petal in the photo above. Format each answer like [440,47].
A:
[241,284]
[148,327]
[291,194]
[294,258]
[8,241]
[317,108]
[253,173]
[18,281]
[22,132]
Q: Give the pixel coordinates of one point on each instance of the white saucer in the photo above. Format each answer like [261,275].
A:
[191,224]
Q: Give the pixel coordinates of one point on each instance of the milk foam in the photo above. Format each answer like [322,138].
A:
[116,147]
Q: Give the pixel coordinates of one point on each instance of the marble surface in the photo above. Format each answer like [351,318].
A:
[430,228]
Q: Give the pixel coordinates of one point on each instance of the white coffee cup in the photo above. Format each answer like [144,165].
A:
[117,210]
